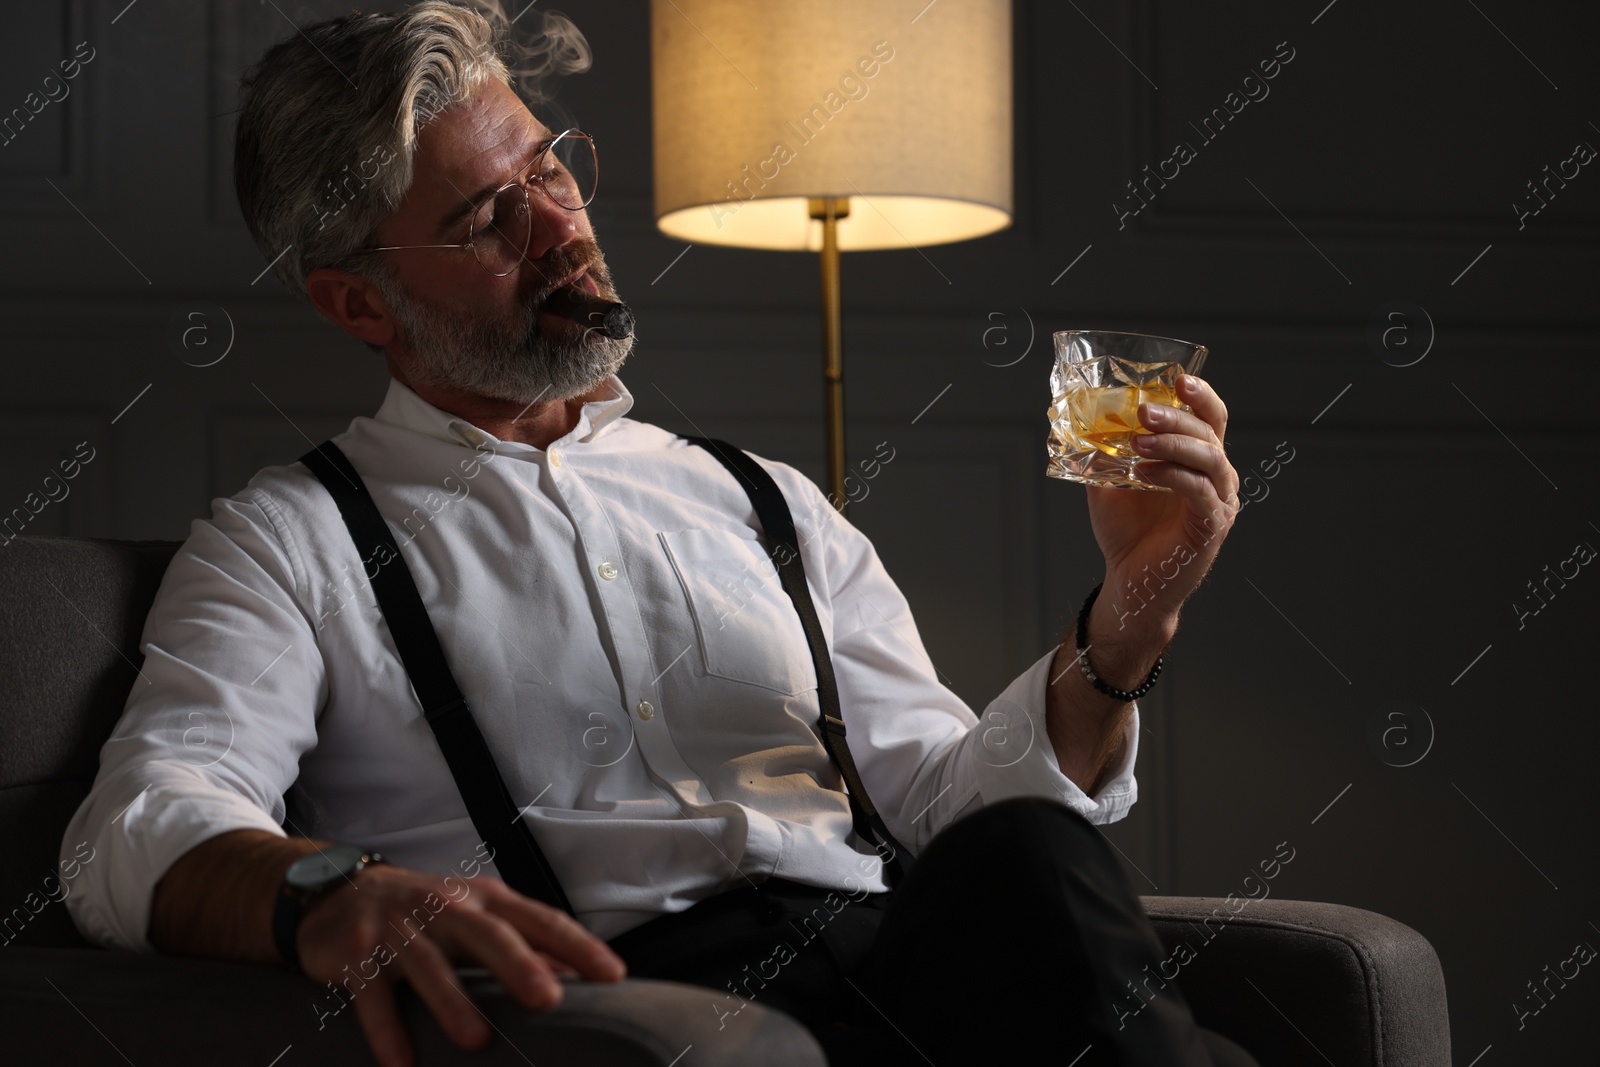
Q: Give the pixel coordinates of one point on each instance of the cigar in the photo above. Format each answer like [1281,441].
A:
[610,317]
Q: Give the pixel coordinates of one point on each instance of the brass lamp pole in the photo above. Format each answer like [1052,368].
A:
[829,210]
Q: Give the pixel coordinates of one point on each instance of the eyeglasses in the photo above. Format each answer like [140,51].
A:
[567,169]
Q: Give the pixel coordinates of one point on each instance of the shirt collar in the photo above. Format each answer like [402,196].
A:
[402,407]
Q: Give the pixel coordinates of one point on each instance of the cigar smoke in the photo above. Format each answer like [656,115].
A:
[539,48]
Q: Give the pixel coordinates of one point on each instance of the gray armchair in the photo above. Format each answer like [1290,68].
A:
[1345,985]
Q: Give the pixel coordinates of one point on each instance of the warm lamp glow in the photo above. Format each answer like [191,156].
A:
[761,107]
[878,222]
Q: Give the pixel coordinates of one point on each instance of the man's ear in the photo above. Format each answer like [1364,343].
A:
[353,304]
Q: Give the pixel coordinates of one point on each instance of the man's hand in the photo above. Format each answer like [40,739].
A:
[389,923]
[386,924]
[1158,546]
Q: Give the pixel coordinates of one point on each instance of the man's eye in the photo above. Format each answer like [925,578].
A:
[483,221]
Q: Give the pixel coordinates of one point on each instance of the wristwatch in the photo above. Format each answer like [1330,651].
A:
[309,877]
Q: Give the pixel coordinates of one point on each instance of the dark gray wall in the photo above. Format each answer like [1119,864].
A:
[1379,566]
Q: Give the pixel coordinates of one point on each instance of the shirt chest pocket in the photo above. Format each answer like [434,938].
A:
[746,625]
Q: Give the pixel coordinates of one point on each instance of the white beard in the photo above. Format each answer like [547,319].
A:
[515,361]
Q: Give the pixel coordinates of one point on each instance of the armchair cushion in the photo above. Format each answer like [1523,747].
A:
[1291,979]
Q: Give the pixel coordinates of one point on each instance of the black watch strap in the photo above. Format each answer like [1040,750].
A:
[290,908]
[287,912]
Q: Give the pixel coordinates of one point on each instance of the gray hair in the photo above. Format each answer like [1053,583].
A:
[327,134]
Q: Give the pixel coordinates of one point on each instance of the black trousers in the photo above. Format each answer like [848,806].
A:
[1015,938]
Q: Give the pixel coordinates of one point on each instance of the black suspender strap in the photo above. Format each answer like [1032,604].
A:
[777,522]
[494,814]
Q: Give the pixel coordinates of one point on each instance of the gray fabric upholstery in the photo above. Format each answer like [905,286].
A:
[88,1007]
[1288,979]
[1363,989]
[69,639]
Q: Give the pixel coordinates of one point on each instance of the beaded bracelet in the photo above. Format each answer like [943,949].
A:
[1124,695]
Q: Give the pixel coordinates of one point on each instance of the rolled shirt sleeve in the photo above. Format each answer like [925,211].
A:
[925,758]
[1011,755]
[212,732]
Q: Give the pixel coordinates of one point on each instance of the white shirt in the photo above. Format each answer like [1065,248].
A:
[621,636]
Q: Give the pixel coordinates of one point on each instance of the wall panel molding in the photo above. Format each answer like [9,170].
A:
[62,143]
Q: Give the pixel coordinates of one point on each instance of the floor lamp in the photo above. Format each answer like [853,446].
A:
[831,126]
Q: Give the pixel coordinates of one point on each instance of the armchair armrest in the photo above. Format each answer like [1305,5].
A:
[92,1006]
[1289,979]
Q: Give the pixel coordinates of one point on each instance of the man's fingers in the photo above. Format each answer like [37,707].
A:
[489,939]
[380,1021]
[430,973]
[1162,418]
[1200,456]
[1215,511]
[1193,440]
[1198,394]
[560,936]
[1187,483]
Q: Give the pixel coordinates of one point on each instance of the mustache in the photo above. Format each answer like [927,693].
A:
[563,262]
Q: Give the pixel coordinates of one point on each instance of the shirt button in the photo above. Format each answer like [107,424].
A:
[646,710]
[555,457]
[608,570]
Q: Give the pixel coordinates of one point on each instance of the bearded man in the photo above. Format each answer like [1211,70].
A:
[726,756]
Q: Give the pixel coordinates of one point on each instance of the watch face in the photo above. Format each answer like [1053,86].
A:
[318,869]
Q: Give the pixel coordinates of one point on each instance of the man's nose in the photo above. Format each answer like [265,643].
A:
[550,224]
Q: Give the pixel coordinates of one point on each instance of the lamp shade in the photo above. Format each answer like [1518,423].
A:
[903,107]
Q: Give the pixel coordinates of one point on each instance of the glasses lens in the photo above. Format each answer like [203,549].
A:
[569,171]
[500,231]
